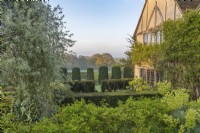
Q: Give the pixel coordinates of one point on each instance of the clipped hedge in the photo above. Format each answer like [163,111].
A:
[90,74]
[76,75]
[82,86]
[114,84]
[128,72]
[116,72]
[111,100]
[103,73]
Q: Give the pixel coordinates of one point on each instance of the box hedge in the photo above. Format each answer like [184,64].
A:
[111,100]
[82,86]
[76,75]
[128,72]
[103,73]
[114,84]
[116,72]
[90,74]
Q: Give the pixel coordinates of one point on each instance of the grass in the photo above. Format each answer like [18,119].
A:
[98,88]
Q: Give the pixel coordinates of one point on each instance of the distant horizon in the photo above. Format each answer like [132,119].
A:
[100,26]
[94,54]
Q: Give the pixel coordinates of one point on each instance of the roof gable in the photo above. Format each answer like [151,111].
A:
[188,4]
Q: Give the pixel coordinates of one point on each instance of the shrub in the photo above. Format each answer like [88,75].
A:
[116,72]
[83,75]
[103,73]
[111,100]
[82,86]
[60,91]
[139,85]
[90,74]
[128,73]
[76,75]
[114,84]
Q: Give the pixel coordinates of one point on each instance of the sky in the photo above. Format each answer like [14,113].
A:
[100,26]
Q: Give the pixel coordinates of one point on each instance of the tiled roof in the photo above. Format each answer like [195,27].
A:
[188,4]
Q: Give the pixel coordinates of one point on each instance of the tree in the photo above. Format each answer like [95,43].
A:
[90,74]
[128,72]
[103,59]
[180,57]
[34,40]
[103,73]
[127,61]
[64,73]
[76,74]
[116,72]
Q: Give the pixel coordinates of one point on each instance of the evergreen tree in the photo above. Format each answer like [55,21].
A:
[128,72]
[116,72]
[90,74]
[103,73]
[76,74]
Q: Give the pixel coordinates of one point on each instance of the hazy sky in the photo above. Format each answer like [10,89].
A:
[100,26]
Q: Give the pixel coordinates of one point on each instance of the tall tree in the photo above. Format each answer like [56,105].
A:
[34,39]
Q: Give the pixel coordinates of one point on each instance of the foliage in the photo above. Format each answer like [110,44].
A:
[135,115]
[84,62]
[104,59]
[103,73]
[128,72]
[90,74]
[127,61]
[84,86]
[177,58]
[60,91]
[164,87]
[139,85]
[114,84]
[76,75]
[116,72]
[6,100]
[64,73]
[179,54]
[144,53]
[111,99]
[33,42]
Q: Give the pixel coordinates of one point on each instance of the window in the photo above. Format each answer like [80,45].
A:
[161,36]
[143,74]
[145,38]
[149,38]
[147,75]
[152,77]
[153,38]
[158,39]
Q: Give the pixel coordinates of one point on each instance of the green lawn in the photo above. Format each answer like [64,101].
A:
[98,87]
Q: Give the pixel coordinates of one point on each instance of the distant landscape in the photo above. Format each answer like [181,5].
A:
[93,61]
